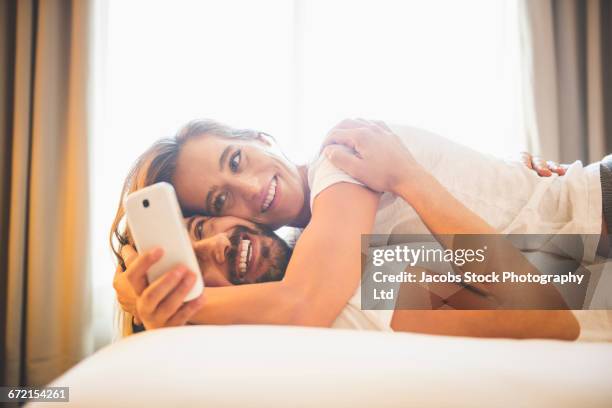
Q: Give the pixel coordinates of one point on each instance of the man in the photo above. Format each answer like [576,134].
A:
[237,251]
[160,304]
[230,251]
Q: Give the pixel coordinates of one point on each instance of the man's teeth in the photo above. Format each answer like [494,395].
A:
[270,196]
[245,256]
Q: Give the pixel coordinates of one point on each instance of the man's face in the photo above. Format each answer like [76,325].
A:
[233,251]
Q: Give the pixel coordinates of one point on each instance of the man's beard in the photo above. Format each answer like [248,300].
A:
[277,252]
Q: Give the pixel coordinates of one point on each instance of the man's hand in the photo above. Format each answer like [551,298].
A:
[159,304]
[544,168]
[125,294]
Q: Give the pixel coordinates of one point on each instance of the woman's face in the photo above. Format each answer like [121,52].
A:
[244,178]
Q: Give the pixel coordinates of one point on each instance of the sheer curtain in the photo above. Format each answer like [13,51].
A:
[293,69]
[569,87]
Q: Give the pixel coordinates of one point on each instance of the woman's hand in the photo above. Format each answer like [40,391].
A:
[160,304]
[377,158]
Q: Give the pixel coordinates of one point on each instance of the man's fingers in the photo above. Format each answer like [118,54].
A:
[555,167]
[171,303]
[526,159]
[186,311]
[543,167]
[137,272]
[118,273]
[344,160]
[129,254]
[159,289]
[540,166]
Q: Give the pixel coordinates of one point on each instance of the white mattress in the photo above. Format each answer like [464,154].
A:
[265,366]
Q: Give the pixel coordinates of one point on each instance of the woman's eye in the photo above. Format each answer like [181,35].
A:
[219,203]
[235,161]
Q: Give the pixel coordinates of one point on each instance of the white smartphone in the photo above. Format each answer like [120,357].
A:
[155,220]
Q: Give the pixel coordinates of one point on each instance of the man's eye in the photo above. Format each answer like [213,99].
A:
[235,161]
[199,230]
[219,202]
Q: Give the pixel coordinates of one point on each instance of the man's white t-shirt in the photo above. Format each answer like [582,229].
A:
[506,194]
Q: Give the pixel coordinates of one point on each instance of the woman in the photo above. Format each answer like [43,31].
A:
[260,303]
[242,174]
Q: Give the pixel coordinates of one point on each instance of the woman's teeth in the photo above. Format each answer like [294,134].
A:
[270,196]
[245,256]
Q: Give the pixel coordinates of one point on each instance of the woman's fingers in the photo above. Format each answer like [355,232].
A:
[382,125]
[137,271]
[349,124]
[353,132]
[186,311]
[346,137]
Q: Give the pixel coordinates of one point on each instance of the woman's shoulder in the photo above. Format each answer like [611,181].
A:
[323,174]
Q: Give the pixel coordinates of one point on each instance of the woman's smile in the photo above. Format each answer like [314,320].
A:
[245,178]
[270,195]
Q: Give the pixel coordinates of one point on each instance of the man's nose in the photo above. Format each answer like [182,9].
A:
[216,247]
[222,246]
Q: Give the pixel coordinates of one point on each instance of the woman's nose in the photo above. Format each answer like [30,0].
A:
[250,187]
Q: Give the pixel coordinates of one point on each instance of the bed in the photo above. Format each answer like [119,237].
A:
[271,366]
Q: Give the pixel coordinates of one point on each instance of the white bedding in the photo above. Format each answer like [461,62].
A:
[266,366]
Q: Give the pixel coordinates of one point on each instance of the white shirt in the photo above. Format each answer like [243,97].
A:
[507,195]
